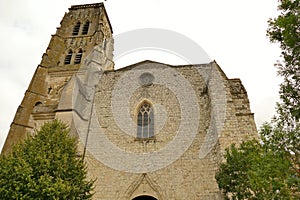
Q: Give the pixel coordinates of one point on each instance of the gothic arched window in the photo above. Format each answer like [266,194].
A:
[145,121]
[76,28]
[78,57]
[68,57]
[85,29]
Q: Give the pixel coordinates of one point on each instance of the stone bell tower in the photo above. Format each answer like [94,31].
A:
[81,29]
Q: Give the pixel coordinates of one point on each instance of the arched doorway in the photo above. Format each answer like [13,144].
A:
[144,197]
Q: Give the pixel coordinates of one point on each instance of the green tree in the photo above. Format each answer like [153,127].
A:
[285,30]
[45,166]
[284,129]
[253,171]
[283,132]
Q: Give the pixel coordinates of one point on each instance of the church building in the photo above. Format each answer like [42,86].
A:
[147,131]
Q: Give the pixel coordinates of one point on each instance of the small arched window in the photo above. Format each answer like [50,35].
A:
[68,57]
[76,28]
[145,121]
[78,57]
[85,29]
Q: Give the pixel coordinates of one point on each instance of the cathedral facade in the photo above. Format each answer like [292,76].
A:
[147,131]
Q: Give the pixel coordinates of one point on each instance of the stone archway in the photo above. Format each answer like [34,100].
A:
[144,197]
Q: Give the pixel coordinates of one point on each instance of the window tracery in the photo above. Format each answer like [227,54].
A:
[145,121]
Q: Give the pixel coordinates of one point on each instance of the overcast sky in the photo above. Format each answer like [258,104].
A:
[232,32]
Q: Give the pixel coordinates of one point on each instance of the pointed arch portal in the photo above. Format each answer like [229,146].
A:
[144,197]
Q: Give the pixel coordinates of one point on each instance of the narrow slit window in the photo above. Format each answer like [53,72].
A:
[78,57]
[68,57]
[145,121]
[76,28]
[85,29]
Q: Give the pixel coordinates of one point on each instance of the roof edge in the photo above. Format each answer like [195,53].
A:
[151,61]
[93,5]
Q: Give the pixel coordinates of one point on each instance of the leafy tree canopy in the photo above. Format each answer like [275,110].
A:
[284,130]
[285,30]
[45,166]
[253,171]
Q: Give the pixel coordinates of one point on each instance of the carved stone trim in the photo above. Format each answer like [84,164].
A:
[139,180]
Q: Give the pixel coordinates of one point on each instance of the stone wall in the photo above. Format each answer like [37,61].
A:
[176,163]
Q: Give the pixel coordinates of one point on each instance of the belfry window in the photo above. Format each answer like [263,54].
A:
[145,121]
[78,57]
[68,57]
[85,29]
[76,28]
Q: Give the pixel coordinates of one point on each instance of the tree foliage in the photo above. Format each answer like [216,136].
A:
[283,132]
[285,30]
[45,166]
[285,127]
[253,171]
